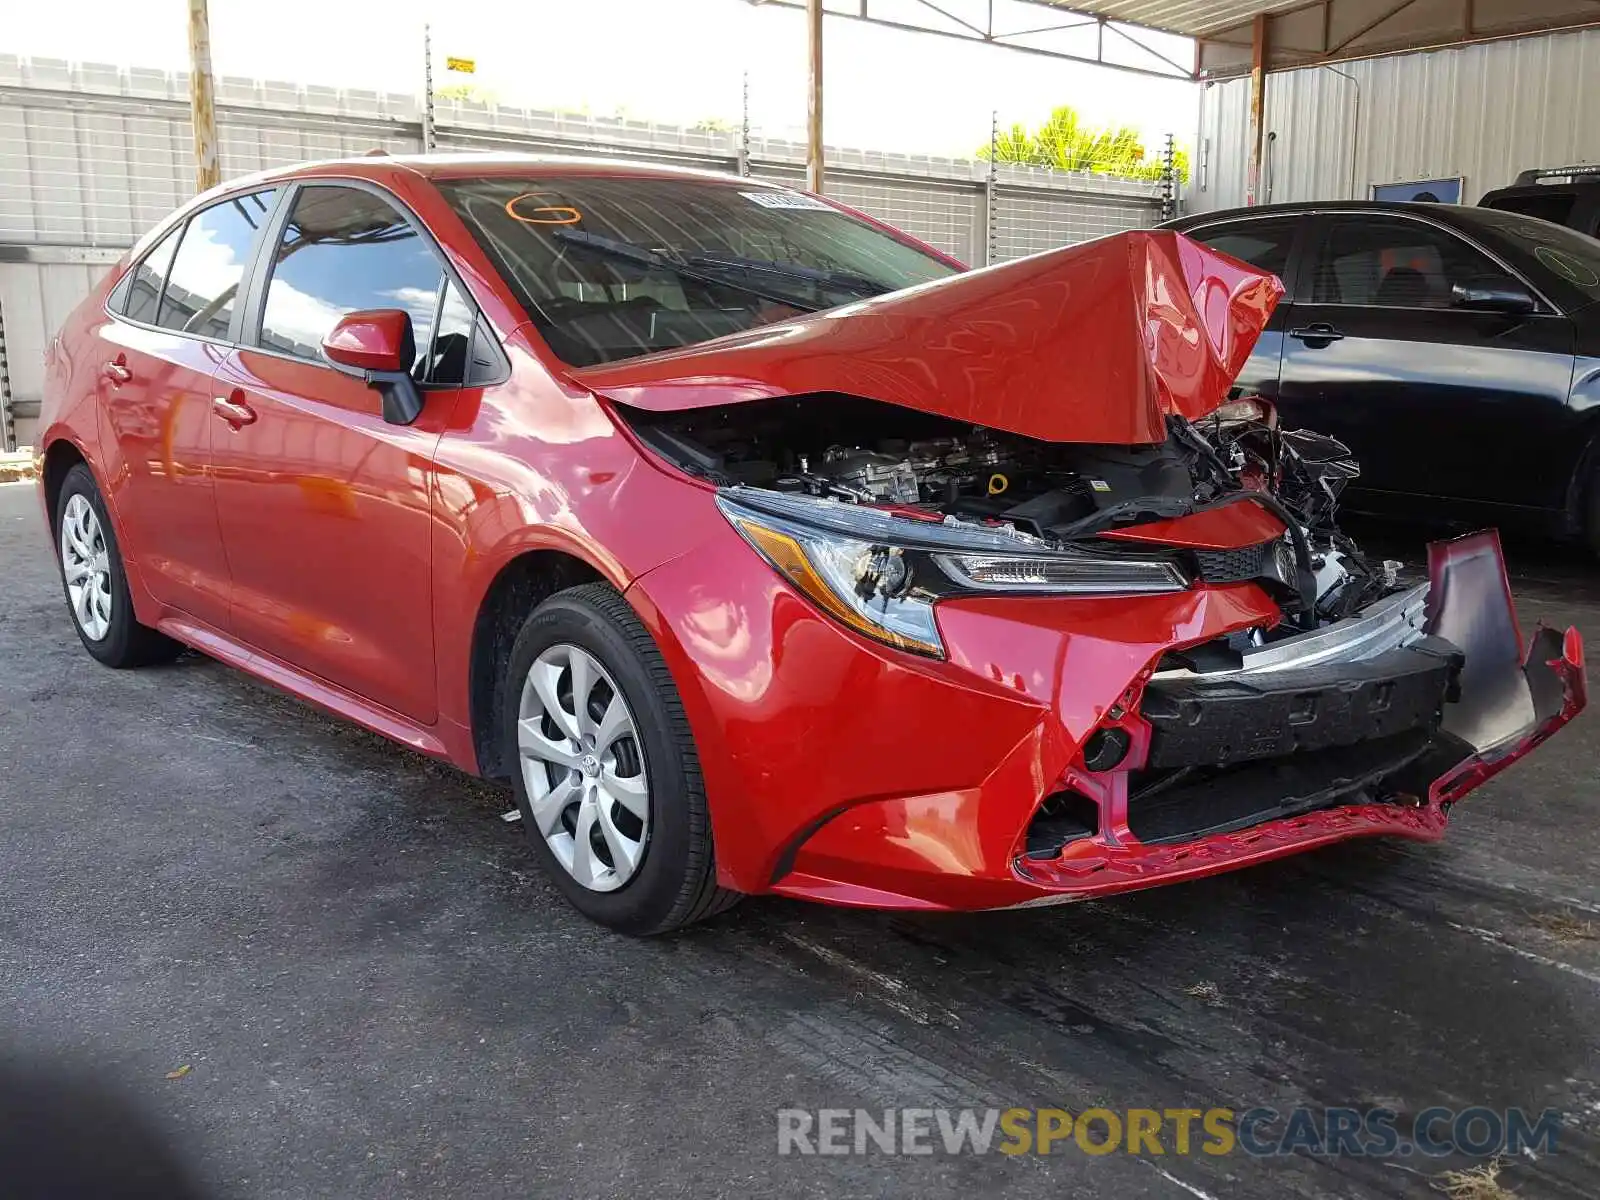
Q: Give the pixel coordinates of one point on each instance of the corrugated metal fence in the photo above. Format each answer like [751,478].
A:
[1481,112]
[92,156]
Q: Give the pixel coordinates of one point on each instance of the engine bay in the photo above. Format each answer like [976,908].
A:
[865,452]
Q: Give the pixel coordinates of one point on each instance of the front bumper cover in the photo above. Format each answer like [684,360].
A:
[1398,713]
[1505,701]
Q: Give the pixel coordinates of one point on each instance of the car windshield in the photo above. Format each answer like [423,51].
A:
[611,267]
[1568,254]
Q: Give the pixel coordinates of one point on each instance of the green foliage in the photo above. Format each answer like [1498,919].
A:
[465,92]
[1066,143]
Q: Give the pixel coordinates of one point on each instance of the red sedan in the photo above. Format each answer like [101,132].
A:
[760,547]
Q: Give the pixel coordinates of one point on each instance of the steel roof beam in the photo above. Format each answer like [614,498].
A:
[969,32]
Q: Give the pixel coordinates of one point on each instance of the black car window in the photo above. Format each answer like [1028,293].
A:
[345,250]
[1263,244]
[203,283]
[1550,204]
[141,295]
[1390,262]
[1572,258]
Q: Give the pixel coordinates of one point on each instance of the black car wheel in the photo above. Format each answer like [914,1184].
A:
[606,773]
[1590,499]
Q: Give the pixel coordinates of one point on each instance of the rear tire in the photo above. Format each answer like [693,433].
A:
[95,581]
[605,769]
[1591,502]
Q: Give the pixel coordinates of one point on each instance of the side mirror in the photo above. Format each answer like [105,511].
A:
[1492,293]
[378,345]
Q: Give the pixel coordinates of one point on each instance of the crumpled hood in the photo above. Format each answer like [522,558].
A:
[1092,343]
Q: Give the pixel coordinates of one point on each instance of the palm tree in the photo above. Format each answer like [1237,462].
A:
[1066,143]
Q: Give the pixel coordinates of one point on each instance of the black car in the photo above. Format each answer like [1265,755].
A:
[1456,350]
[1568,196]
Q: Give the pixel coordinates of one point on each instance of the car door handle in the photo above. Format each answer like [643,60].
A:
[234,411]
[1318,335]
[117,370]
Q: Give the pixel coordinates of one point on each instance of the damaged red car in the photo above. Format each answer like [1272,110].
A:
[760,547]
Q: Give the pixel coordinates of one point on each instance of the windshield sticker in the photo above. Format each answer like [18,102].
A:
[1567,267]
[786,200]
[525,208]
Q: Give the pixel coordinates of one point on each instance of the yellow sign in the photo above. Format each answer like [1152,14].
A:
[467,66]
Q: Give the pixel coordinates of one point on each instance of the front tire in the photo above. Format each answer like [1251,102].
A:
[95,581]
[606,776]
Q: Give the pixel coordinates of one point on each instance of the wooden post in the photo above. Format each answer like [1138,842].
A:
[814,107]
[1258,105]
[202,99]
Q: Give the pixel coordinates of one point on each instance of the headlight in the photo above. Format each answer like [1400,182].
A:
[881,574]
[1062,574]
[1243,411]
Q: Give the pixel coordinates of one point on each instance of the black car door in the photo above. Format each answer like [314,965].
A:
[1445,406]
[1269,243]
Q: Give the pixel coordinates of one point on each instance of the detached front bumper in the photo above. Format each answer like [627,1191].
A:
[1061,754]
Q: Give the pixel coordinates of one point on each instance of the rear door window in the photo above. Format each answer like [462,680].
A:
[203,284]
[348,250]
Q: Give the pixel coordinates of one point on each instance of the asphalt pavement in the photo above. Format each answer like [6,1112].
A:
[323,966]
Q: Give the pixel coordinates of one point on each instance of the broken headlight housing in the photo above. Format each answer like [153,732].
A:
[881,574]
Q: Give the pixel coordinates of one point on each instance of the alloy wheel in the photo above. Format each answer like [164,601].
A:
[583,767]
[86,565]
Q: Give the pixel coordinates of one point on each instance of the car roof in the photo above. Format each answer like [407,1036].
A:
[382,168]
[1457,214]
[458,165]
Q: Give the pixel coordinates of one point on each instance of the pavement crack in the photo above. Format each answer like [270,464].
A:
[1495,939]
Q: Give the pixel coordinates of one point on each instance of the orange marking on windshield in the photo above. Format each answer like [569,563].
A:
[545,214]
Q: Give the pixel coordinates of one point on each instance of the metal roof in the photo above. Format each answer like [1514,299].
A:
[1192,18]
[1298,32]
[1309,32]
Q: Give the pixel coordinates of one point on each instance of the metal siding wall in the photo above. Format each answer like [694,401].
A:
[36,298]
[22,300]
[1222,156]
[1483,112]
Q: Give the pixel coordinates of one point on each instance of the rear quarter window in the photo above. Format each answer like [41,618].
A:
[139,297]
[1556,205]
